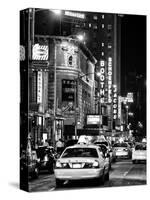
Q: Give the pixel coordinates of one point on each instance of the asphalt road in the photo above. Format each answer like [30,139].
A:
[123,173]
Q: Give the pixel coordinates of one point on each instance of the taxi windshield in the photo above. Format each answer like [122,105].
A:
[80,152]
[140,147]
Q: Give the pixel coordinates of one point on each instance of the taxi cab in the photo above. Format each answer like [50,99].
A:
[81,161]
[139,153]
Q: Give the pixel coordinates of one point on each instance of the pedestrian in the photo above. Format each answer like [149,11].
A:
[59,146]
[46,144]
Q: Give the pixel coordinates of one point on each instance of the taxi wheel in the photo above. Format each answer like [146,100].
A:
[134,161]
[102,178]
[107,176]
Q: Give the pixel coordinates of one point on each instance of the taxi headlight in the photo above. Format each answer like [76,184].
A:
[95,164]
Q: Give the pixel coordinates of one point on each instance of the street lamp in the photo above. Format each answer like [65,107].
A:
[58,13]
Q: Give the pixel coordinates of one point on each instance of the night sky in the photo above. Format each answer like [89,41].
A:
[134,44]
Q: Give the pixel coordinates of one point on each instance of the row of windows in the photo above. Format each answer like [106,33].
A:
[95,17]
[95,26]
[109,45]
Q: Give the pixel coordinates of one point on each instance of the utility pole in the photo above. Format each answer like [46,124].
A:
[54,104]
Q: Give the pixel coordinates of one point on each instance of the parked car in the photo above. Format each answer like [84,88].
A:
[81,161]
[121,150]
[29,164]
[47,157]
[139,153]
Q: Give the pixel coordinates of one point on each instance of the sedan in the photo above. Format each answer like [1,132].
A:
[121,150]
[139,153]
[81,161]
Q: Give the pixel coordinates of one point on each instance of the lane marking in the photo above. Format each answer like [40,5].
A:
[125,174]
[52,189]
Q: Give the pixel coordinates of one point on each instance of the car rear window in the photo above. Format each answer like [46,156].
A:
[140,147]
[80,152]
[120,145]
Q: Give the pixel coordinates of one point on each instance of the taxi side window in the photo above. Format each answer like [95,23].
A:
[101,153]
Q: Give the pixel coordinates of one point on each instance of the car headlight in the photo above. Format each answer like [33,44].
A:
[95,164]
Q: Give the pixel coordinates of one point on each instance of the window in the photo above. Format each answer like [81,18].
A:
[103,26]
[90,25]
[80,152]
[70,60]
[109,26]
[102,53]
[102,44]
[103,16]
[109,45]
[94,26]
[95,17]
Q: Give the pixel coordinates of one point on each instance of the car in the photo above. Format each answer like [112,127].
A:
[29,164]
[81,162]
[139,153]
[106,153]
[121,150]
[109,148]
[46,156]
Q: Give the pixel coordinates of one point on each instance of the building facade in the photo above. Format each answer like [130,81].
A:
[61,87]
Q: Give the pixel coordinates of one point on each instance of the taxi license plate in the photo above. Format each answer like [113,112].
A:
[76,165]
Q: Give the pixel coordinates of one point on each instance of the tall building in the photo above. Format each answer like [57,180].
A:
[101,33]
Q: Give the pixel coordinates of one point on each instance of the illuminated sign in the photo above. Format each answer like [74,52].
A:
[130,97]
[39,87]
[102,80]
[115,102]
[94,119]
[109,76]
[68,90]
[22,53]
[39,52]
[119,106]
[75,14]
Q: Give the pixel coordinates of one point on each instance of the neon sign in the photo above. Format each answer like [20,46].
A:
[109,76]
[115,106]
[102,80]
[39,87]
[75,14]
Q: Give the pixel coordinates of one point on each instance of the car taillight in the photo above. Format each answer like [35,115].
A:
[58,164]
[125,149]
[95,164]
[46,158]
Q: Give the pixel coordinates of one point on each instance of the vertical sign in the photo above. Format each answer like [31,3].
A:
[39,87]
[109,76]
[119,106]
[102,80]
[115,102]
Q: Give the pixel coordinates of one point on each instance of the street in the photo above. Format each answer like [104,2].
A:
[122,173]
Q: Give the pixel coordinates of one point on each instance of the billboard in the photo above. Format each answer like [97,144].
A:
[94,119]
